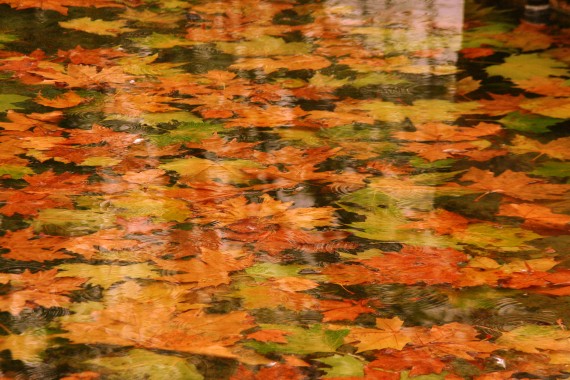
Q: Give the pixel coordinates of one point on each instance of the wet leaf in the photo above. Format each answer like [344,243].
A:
[526,66]
[387,334]
[9,101]
[528,122]
[301,340]
[264,46]
[342,366]
[107,275]
[137,364]
[100,27]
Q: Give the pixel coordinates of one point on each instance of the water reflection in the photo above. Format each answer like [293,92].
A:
[265,189]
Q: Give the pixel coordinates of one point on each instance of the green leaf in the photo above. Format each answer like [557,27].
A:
[269,270]
[553,169]
[528,122]
[382,225]
[320,80]
[100,161]
[527,66]
[8,101]
[300,137]
[187,132]
[352,132]
[264,46]
[343,366]
[422,111]
[504,239]
[301,340]
[153,119]
[162,41]
[484,35]
[4,38]
[377,78]
[72,222]
[15,171]
[421,163]
[141,364]
[158,207]
[107,275]
[404,375]
[226,171]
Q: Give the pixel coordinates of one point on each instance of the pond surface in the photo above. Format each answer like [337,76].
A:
[303,189]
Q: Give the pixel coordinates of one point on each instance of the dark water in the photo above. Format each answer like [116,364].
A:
[283,190]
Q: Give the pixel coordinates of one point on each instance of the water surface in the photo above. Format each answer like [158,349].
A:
[303,189]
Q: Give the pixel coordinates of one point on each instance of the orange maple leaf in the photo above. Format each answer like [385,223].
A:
[68,99]
[30,290]
[26,245]
[514,184]
[536,216]
[61,6]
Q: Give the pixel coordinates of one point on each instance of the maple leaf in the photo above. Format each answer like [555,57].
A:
[136,104]
[269,65]
[445,132]
[147,16]
[535,339]
[23,122]
[268,116]
[548,106]
[545,86]
[467,85]
[25,245]
[68,99]
[514,184]
[26,346]
[527,37]
[211,269]
[441,221]
[417,264]
[84,76]
[343,310]
[90,245]
[238,210]
[536,216]
[266,296]
[42,288]
[501,104]
[222,148]
[277,336]
[387,334]
[102,57]
[59,5]
[525,66]
[418,360]
[203,170]
[100,27]
[149,326]
[454,339]
[476,52]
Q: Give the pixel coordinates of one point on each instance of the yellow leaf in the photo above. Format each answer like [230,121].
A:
[100,27]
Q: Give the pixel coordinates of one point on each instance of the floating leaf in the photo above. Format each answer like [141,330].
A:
[8,101]
[100,27]
[300,340]
[342,366]
[528,122]
[526,66]
[264,46]
[107,275]
[138,364]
